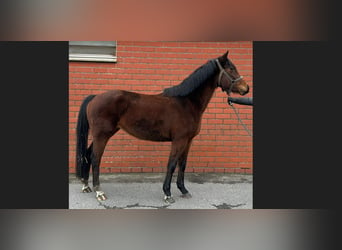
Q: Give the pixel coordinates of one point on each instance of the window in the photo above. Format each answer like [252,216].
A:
[92,51]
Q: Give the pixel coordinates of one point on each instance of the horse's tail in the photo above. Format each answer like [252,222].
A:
[82,138]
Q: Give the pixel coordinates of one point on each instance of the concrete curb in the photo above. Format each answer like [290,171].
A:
[198,178]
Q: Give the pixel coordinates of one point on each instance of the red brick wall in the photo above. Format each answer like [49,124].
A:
[149,67]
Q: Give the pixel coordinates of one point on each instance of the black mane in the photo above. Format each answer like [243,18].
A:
[193,81]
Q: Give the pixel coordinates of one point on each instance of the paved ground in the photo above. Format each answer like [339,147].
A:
[144,191]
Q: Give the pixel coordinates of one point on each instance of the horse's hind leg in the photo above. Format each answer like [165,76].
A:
[98,148]
[99,144]
[86,188]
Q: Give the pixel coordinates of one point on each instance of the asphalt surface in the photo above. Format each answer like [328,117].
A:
[144,191]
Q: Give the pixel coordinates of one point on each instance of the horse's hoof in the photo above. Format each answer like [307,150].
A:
[86,190]
[100,196]
[168,199]
[186,196]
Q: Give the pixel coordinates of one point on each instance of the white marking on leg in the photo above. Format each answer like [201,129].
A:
[99,193]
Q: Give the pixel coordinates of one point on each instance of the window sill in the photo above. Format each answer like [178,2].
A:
[92,58]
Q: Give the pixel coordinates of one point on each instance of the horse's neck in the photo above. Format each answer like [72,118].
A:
[202,96]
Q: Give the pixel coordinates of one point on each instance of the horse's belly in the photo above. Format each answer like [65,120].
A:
[147,130]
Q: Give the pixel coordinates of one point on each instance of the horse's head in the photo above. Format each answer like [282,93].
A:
[229,78]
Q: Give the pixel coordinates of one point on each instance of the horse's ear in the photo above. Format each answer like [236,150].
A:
[224,57]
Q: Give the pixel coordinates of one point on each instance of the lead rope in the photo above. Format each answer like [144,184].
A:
[237,114]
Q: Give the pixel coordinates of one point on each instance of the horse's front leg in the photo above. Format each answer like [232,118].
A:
[171,166]
[177,149]
[180,177]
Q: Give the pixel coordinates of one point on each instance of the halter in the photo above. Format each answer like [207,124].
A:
[232,81]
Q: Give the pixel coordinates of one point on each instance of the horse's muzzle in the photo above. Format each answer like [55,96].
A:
[244,92]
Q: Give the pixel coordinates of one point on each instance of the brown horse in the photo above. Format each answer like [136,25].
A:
[174,115]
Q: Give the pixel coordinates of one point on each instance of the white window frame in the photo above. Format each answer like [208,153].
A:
[104,51]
